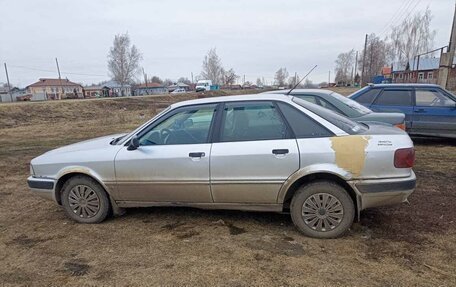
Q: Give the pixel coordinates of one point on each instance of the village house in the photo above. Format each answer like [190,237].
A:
[425,71]
[96,91]
[54,89]
[149,89]
[118,90]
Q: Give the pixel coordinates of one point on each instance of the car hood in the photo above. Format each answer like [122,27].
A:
[389,118]
[95,143]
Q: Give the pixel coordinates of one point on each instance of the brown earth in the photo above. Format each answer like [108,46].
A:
[406,245]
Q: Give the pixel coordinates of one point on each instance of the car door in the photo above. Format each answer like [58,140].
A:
[253,153]
[172,162]
[434,113]
[395,100]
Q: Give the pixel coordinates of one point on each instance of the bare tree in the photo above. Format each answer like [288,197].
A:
[292,81]
[259,82]
[344,66]
[377,56]
[212,67]
[168,82]
[309,84]
[184,80]
[412,37]
[229,77]
[281,76]
[123,60]
[156,79]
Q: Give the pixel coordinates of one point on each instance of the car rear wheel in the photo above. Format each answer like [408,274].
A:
[322,209]
[84,200]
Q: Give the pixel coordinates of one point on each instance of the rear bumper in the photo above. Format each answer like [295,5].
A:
[381,192]
[43,187]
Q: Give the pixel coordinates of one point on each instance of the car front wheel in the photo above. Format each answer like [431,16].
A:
[84,200]
[322,209]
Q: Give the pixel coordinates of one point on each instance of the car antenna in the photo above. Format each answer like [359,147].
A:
[288,93]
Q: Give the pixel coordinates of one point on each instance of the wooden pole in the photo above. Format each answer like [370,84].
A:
[364,62]
[7,80]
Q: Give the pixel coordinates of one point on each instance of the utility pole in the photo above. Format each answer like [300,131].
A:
[244,80]
[356,67]
[60,78]
[145,77]
[192,77]
[9,86]
[417,68]
[329,78]
[446,59]
[364,62]
[296,79]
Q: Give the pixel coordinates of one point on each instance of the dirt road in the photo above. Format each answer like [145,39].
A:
[407,245]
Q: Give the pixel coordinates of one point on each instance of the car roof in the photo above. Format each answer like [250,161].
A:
[299,91]
[406,85]
[249,97]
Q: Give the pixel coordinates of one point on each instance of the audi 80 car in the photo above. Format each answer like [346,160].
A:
[259,152]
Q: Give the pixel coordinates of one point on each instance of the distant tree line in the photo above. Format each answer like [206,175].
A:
[406,40]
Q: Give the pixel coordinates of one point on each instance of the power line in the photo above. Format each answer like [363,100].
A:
[395,15]
[53,71]
[400,16]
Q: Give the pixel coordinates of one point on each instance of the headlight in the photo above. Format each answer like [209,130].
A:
[32,172]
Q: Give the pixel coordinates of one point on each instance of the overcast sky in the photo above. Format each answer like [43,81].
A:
[255,37]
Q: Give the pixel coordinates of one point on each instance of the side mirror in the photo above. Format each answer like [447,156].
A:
[134,143]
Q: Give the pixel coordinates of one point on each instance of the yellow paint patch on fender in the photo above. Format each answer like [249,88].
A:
[350,152]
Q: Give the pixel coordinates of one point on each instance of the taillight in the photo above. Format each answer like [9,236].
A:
[401,126]
[404,157]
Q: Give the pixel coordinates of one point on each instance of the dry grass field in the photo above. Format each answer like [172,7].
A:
[406,245]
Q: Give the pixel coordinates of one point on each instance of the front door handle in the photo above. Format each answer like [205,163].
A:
[196,154]
[420,111]
[280,151]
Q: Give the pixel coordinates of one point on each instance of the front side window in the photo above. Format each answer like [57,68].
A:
[252,121]
[395,98]
[432,98]
[189,126]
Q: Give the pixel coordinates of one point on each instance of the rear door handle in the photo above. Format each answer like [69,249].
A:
[196,154]
[280,151]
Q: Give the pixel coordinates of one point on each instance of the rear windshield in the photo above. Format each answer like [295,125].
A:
[344,123]
[352,104]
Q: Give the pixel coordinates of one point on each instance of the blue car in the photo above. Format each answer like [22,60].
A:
[429,110]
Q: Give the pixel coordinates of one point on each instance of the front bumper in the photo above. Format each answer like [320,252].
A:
[43,187]
[381,192]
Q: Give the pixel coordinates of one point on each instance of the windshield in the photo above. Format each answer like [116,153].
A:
[351,103]
[339,121]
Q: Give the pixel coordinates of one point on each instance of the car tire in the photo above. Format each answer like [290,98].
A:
[84,200]
[322,209]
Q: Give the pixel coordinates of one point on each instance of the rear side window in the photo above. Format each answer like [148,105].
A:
[432,98]
[301,124]
[310,99]
[251,121]
[368,97]
[395,98]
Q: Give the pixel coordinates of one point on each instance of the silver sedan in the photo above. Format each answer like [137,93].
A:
[259,152]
